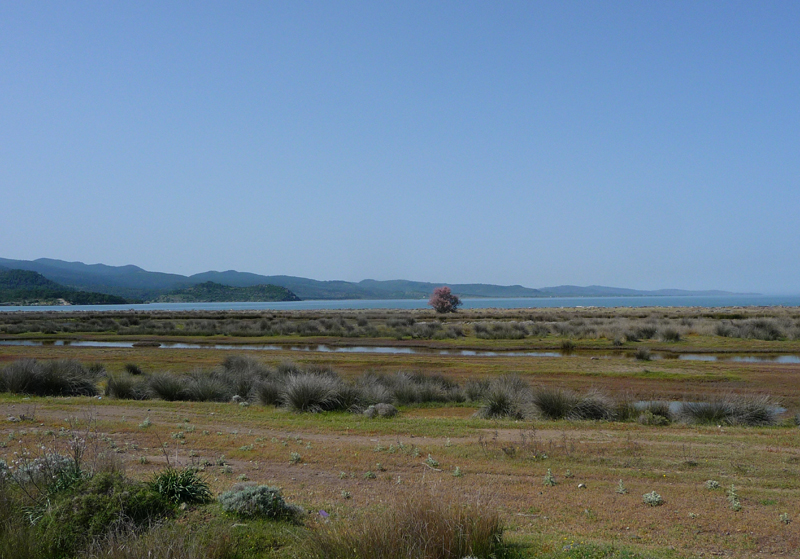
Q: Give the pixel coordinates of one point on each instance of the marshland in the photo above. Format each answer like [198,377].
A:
[488,433]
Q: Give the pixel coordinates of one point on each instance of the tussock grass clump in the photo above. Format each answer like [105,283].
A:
[594,406]
[475,390]
[166,386]
[731,410]
[669,335]
[642,354]
[507,396]
[63,377]
[202,386]
[554,403]
[133,369]
[314,393]
[127,387]
[258,501]
[268,392]
[421,527]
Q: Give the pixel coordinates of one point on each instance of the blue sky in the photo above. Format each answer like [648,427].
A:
[634,144]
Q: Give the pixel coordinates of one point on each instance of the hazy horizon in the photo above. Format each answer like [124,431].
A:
[637,145]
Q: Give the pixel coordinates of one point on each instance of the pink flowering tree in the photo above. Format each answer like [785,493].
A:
[443,300]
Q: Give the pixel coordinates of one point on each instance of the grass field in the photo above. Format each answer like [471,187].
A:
[357,469]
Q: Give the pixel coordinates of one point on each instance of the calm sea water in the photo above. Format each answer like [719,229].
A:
[554,302]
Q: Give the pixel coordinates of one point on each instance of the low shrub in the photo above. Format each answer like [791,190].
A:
[95,507]
[642,354]
[256,501]
[181,486]
[653,499]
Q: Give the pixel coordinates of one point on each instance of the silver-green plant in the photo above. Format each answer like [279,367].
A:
[549,479]
[712,484]
[733,499]
[621,489]
[653,499]
[260,501]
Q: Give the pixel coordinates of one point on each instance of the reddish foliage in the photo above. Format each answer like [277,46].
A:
[443,300]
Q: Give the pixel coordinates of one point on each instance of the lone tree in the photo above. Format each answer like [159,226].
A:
[444,301]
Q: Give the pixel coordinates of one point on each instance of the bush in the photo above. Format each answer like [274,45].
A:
[181,486]
[258,501]
[642,354]
[444,301]
[653,499]
[420,527]
[96,507]
[655,413]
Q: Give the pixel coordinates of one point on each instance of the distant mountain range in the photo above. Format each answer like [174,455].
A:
[24,287]
[132,282]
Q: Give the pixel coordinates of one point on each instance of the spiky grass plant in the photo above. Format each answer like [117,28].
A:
[731,410]
[507,396]
[593,405]
[62,377]
[181,485]
[126,387]
[166,386]
[311,393]
[554,403]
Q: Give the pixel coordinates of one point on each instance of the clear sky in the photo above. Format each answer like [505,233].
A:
[634,144]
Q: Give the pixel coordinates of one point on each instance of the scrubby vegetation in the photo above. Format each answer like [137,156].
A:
[631,326]
[315,389]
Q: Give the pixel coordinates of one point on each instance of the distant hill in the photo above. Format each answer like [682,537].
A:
[24,287]
[210,292]
[134,282]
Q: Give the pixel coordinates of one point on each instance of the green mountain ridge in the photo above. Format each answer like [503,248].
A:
[134,282]
[210,292]
[25,287]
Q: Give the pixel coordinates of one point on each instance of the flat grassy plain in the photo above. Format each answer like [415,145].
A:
[352,467]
